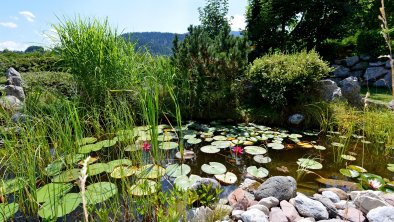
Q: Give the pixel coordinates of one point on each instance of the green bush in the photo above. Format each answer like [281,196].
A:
[31,62]
[371,42]
[288,79]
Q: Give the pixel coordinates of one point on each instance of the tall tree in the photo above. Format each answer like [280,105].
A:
[213,17]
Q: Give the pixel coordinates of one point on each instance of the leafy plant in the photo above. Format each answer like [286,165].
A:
[205,195]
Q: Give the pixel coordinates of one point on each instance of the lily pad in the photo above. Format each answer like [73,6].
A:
[176,170]
[262,159]
[184,182]
[348,157]
[123,171]
[12,185]
[87,140]
[213,168]
[194,141]
[8,210]
[59,208]
[309,164]
[221,144]
[74,158]
[337,144]
[210,149]
[255,150]
[107,143]
[276,146]
[67,176]
[100,192]
[55,167]
[52,191]
[227,178]
[189,136]
[168,145]
[260,172]
[220,138]
[90,148]
[166,137]
[390,167]
[357,168]
[187,154]
[150,171]
[349,173]
[114,163]
[97,168]
[319,147]
[132,148]
[91,160]
[143,187]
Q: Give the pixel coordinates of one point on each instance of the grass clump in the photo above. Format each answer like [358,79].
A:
[288,79]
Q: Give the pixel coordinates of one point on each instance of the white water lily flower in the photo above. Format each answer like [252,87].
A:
[374,184]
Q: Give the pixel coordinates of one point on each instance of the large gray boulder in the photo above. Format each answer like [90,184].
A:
[374,73]
[280,187]
[11,103]
[310,208]
[13,77]
[384,82]
[330,206]
[350,89]
[329,90]
[341,71]
[387,66]
[360,66]
[296,119]
[381,214]
[254,215]
[17,91]
[366,201]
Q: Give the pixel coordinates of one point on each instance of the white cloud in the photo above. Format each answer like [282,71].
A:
[28,15]
[13,46]
[10,25]
[238,22]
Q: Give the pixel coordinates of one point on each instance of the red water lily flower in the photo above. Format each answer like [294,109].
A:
[146,146]
[238,150]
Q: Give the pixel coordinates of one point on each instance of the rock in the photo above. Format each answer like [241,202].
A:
[376,64]
[331,195]
[351,61]
[391,104]
[366,201]
[343,204]
[332,220]
[16,91]
[354,194]
[11,103]
[329,90]
[269,202]
[226,209]
[280,187]
[13,77]
[223,201]
[249,185]
[262,208]
[235,196]
[19,117]
[308,219]
[374,73]
[236,214]
[242,204]
[351,214]
[360,66]
[340,71]
[365,57]
[290,211]
[350,89]
[340,193]
[384,82]
[328,204]
[202,214]
[310,208]
[387,65]
[296,119]
[254,215]
[381,214]
[389,198]
[277,215]
[357,73]
[206,182]
[338,61]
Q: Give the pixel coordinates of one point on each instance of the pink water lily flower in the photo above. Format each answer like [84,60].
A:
[238,150]
[146,146]
[374,184]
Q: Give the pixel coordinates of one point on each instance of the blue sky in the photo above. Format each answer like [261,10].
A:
[28,22]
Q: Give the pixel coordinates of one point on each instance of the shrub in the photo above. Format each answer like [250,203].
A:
[371,42]
[286,79]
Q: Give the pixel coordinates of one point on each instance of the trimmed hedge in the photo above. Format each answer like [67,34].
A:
[286,79]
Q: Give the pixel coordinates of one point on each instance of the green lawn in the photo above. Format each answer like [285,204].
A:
[379,94]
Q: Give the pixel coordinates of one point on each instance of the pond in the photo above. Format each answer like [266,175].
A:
[229,153]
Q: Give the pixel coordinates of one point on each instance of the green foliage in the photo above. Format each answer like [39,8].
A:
[34,48]
[283,78]
[59,83]
[30,62]
[209,66]
[205,196]
[371,42]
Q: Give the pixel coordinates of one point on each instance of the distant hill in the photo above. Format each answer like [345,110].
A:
[158,43]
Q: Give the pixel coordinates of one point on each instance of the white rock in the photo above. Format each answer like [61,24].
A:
[381,214]
[254,215]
